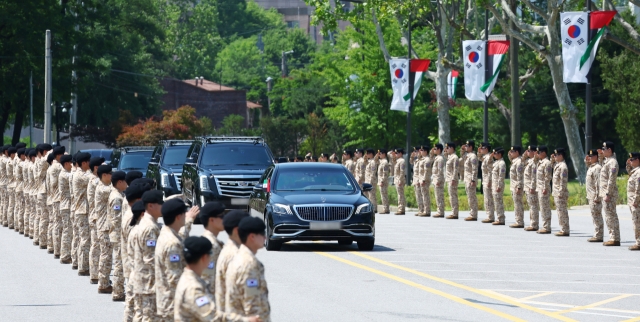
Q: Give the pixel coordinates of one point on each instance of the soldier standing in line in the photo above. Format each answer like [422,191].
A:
[231,221]
[169,257]
[115,207]
[3,186]
[543,181]
[75,171]
[384,170]
[33,218]
[211,216]
[609,193]
[452,176]
[487,168]
[516,175]
[595,202]
[529,179]
[425,179]
[43,211]
[94,250]
[65,204]
[400,180]
[415,159]
[103,224]
[55,229]
[19,179]
[560,191]
[470,171]
[370,176]
[361,166]
[246,288]
[80,183]
[633,196]
[137,210]
[347,161]
[11,186]
[438,170]
[497,183]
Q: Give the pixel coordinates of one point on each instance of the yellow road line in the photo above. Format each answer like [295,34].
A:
[578,308]
[535,296]
[632,320]
[498,297]
[424,288]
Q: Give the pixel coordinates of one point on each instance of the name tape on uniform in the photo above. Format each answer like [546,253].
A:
[202,301]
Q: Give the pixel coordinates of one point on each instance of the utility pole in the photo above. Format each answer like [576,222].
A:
[269,86]
[588,135]
[516,136]
[407,168]
[485,122]
[47,88]
[73,110]
[284,62]
[31,110]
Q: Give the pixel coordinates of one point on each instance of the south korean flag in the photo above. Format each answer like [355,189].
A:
[574,29]
[474,76]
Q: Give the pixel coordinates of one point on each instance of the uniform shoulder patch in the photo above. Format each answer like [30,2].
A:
[211,265]
[613,170]
[252,282]
[151,243]
[174,258]
[116,207]
[202,301]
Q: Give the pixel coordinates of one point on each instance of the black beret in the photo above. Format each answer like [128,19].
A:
[196,247]
[251,225]
[105,168]
[416,148]
[3,148]
[384,151]
[485,145]
[173,207]
[542,148]
[371,151]
[21,151]
[65,158]
[12,150]
[358,150]
[560,151]
[517,148]
[133,175]
[32,153]
[324,155]
[152,196]
[399,150]
[471,143]
[134,192]
[451,145]
[498,150]
[59,150]
[532,148]
[608,144]
[83,157]
[424,147]
[21,145]
[116,175]
[47,147]
[138,207]
[634,155]
[438,146]
[592,153]
[348,152]
[211,209]
[50,158]
[233,218]
[95,161]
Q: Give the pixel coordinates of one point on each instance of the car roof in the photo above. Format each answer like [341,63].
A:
[307,165]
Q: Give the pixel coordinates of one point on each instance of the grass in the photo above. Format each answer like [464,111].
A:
[577,196]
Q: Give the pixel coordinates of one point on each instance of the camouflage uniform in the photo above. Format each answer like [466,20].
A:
[80,182]
[561,195]
[608,187]
[399,179]
[351,166]
[19,203]
[384,170]
[104,227]
[595,202]
[94,250]
[532,197]
[3,191]
[42,168]
[360,170]
[65,218]
[516,174]
[633,200]
[194,301]
[226,255]
[487,168]
[452,176]
[28,188]
[130,308]
[470,176]
[417,167]
[114,211]
[247,293]
[11,193]
[54,217]
[75,236]
[497,184]
[370,176]
[543,179]
[169,261]
[438,170]
[209,274]
[143,244]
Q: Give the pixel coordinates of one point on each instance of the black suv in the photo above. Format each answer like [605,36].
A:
[130,158]
[165,167]
[224,169]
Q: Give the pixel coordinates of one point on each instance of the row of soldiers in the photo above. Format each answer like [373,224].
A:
[534,174]
[98,220]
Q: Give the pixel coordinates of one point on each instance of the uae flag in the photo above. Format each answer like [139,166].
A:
[401,71]
[474,51]
[452,81]
[581,32]
[496,53]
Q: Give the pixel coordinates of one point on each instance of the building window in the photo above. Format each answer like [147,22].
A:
[293,24]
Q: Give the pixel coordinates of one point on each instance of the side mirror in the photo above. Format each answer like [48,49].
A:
[367,187]
[258,187]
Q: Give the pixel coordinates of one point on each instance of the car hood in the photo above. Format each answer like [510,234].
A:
[319,197]
[173,168]
[237,171]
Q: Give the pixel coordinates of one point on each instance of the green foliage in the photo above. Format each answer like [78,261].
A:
[25,140]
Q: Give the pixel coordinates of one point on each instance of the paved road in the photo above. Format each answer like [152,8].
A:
[422,269]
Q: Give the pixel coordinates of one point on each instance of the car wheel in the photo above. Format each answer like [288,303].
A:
[268,243]
[366,245]
[345,242]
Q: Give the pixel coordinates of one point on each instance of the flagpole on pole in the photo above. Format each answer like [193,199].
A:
[587,111]
[407,153]
[485,123]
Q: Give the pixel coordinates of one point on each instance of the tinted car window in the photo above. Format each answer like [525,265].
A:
[175,155]
[313,180]
[135,160]
[220,155]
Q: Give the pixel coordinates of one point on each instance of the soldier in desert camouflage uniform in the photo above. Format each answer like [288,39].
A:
[415,159]
[516,175]
[80,182]
[470,170]
[544,172]
[19,198]
[3,185]
[595,202]
[384,171]
[438,170]
[529,180]
[426,168]
[65,205]
[560,191]
[231,221]
[371,177]
[32,212]
[361,165]
[399,179]
[115,208]
[609,193]
[497,184]
[103,224]
[347,161]
[484,152]
[452,175]
[43,211]
[11,187]
[633,196]
[94,250]
[211,216]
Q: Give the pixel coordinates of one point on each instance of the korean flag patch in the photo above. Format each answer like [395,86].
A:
[116,207]
[151,243]
[174,258]
[252,282]
[211,265]
[202,301]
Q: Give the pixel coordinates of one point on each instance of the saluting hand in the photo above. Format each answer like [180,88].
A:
[193,212]
[255,319]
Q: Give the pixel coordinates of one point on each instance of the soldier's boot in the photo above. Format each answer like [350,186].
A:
[106,290]
[65,261]
[35,243]
[451,217]
[56,256]
[84,273]
[498,223]
[529,228]
[424,214]
[594,240]
[438,216]
[74,267]
[43,246]
[562,233]
[399,213]
[470,219]
[634,247]
[544,231]
[516,226]
[50,251]
[418,213]
[486,221]
[119,298]
[611,243]
[93,281]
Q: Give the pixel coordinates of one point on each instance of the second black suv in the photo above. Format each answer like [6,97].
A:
[132,158]
[224,169]
[165,167]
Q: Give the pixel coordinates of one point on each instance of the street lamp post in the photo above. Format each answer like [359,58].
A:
[284,62]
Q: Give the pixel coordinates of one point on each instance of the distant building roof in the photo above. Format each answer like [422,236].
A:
[252,105]
[208,85]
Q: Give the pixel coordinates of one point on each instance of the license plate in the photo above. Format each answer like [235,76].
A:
[239,201]
[325,225]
